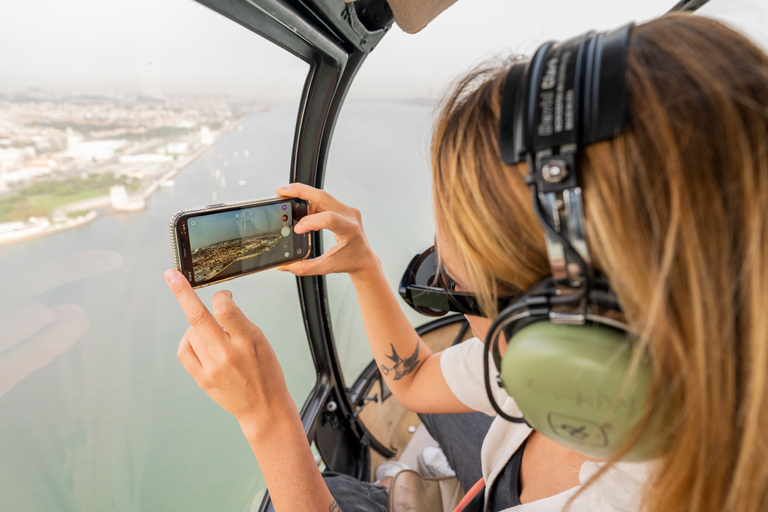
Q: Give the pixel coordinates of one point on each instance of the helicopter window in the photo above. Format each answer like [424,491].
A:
[174,106]
[388,180]
[100,104]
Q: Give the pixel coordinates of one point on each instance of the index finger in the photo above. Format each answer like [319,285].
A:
[321,199]
[197,314]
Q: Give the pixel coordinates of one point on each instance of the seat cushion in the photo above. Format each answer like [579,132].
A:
[411,492]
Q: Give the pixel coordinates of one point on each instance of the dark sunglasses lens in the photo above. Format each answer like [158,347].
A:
[426,270]
[424,310]
[432,294]
[427,275]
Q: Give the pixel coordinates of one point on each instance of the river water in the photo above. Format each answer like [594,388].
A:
[96,413]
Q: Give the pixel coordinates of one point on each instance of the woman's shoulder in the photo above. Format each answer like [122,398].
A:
[462,367]
[619,488]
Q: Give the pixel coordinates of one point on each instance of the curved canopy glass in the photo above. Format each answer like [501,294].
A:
[113,116]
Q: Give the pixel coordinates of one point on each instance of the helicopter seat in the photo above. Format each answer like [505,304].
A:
[412,492]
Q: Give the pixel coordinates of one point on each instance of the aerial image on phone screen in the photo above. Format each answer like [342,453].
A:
[235,242]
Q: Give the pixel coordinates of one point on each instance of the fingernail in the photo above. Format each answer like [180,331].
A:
[283,188]
[229,293]
[171,275]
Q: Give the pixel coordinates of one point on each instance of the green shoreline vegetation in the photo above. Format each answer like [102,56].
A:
[41,199]
[129,133]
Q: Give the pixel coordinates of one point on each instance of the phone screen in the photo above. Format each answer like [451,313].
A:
[239,241]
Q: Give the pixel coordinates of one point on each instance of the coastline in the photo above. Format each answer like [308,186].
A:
[102,205]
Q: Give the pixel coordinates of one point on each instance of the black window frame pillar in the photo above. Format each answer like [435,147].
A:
[334,38]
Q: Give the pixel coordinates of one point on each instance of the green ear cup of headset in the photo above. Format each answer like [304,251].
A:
[570,384]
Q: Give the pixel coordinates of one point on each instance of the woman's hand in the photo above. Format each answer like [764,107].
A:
[229,357]
[351,254]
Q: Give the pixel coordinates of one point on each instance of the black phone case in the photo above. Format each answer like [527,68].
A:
[175,249]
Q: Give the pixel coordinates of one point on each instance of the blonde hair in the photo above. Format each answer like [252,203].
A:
[677,218]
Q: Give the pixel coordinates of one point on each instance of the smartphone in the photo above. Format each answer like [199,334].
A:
[220,242]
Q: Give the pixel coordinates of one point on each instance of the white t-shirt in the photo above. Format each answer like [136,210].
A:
[618,490]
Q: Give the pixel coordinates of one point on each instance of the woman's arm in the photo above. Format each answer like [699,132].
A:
[231,360]
[410,369]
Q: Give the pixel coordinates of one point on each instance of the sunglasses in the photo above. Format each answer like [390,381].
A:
[430,290]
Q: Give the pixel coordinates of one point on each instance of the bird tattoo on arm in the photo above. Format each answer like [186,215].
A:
[401,367]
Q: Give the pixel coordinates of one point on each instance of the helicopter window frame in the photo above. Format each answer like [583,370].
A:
[334,39]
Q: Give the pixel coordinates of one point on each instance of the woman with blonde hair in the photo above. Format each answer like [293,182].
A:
[658,135]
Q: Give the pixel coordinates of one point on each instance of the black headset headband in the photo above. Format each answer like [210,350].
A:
[567,96]
[568,93]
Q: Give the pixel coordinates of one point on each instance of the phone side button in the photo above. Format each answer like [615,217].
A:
[214,204]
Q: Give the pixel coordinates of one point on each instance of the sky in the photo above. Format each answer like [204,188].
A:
[162,47]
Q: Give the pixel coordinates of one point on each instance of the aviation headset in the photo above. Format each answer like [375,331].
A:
[567,357]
